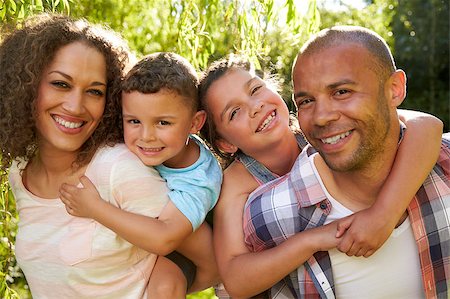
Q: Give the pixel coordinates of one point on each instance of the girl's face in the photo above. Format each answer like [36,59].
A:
[71,98]
[248,114]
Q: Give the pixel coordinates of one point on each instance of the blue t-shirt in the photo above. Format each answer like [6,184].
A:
[195,189]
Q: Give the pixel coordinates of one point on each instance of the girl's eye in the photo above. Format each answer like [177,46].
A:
[233,113]
[96,92]
[60,84]
[255,89]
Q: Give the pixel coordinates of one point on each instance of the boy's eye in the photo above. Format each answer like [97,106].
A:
[164,123]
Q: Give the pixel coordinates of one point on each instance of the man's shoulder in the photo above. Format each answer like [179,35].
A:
[446,139]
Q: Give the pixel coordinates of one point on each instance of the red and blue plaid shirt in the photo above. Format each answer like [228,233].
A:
[296,202]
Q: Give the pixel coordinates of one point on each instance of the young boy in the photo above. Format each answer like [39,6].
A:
[161,113]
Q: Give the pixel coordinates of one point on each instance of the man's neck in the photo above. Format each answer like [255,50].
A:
[358,189]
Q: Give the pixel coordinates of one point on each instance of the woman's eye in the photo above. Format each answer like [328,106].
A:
[60,84]
[96,92]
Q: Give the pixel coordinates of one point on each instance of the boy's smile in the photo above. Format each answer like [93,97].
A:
[156,125]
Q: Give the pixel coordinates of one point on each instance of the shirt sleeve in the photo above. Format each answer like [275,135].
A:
[195,190]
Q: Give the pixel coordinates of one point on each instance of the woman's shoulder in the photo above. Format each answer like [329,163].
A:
[118,158]
[114,152]
[117,154]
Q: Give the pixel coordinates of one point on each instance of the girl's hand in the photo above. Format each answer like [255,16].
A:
[80,202]
[364,232]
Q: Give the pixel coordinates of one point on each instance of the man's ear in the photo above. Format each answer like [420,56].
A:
[198,121]
[225,146]
[397,88]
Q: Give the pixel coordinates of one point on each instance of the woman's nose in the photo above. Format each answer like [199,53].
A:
[74,102]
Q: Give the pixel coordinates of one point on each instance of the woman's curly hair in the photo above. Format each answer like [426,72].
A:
[25,53]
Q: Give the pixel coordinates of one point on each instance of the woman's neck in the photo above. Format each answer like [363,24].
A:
[46,172]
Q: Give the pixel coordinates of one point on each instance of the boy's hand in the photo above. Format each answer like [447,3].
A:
[363,232]
[81,202]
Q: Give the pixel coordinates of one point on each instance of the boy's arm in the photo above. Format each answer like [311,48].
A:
[417,154]
[245,273]
[160,236]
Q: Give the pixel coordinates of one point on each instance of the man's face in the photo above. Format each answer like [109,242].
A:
[342,107]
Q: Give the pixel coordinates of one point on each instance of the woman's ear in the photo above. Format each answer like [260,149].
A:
[225,146]
[198,120]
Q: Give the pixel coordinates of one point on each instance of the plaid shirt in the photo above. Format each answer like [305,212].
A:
[296,202]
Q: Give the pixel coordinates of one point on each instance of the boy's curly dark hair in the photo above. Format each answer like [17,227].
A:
[24,54]
[163,70]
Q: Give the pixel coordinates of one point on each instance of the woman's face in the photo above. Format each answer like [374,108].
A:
[247,113]
[71,98]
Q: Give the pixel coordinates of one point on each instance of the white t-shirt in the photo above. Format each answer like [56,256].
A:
[393,271]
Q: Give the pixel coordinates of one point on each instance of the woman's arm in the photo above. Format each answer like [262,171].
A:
[246,273]
[416,156]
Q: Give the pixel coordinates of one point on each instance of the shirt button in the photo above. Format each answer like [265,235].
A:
[323,206]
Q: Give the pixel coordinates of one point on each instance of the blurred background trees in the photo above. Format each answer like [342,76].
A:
[270,31]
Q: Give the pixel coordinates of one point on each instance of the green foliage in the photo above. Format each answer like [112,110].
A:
[9,271]
[421,29]
[15,11]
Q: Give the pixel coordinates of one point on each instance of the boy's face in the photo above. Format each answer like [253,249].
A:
[156,125]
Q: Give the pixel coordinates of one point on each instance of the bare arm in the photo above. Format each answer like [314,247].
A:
[416,156]
[259,270]
[160,236]
[198,247]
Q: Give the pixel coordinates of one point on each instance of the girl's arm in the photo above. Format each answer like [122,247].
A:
[417,154]
[246,273]
[160,236]
[198,247]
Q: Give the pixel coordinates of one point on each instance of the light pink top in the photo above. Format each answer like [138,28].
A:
[69,257]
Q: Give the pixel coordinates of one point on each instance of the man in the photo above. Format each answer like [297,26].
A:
[347,90]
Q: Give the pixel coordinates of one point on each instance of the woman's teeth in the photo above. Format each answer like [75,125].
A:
[67,124]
